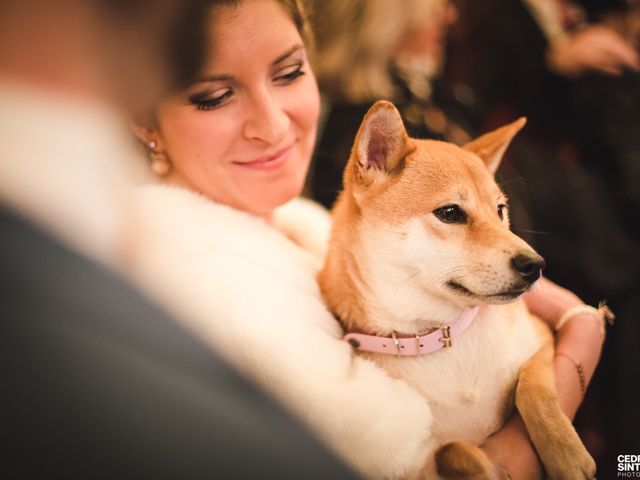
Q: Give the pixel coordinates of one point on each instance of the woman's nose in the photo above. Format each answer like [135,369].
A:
[268,121]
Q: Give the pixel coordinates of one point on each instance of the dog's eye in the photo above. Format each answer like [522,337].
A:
[501,209]
[450,214]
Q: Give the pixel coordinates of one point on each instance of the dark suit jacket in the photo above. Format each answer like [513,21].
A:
[96,382]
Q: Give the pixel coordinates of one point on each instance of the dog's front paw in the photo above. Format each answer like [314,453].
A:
[570,461]
[461,460]
[563,454]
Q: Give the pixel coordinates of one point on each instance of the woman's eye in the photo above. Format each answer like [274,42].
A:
[209,101]
[501,209]
[451,214]
[289,74]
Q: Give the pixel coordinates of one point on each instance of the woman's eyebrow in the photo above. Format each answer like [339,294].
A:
[286,54]
[213,78]
[226,78]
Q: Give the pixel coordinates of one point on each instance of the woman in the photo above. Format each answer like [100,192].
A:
[213,244]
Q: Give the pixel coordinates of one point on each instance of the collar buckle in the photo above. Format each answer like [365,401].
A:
[446,337]
[397,344]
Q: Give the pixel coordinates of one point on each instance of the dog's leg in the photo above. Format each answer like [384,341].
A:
[462,460]
[556,441]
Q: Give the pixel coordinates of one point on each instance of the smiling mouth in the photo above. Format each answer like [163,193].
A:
[508,294]
[268,162]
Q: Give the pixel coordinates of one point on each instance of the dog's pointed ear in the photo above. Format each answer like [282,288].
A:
[491,146]
[381,141]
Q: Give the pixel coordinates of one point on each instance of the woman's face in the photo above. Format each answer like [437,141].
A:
[427,39]
[243,135]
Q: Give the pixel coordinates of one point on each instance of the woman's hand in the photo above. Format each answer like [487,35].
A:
[549,301]
[581,339]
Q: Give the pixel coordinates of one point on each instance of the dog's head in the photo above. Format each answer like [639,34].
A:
[433,225]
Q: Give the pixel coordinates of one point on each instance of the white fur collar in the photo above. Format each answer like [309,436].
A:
[246,289]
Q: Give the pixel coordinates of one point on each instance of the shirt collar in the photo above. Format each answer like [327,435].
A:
[64,165]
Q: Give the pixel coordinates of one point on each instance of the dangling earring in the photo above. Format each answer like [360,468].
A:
[159,162]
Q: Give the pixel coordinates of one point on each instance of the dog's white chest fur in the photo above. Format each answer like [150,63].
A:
[470,385]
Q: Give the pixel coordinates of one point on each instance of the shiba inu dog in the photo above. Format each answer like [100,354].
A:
[425,276]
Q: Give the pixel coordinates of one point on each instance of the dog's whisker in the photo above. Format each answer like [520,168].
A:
[402,234]
[511,181]
[410,277]
[526,230]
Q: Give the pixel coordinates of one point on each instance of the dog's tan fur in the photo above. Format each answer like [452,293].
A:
[393,183]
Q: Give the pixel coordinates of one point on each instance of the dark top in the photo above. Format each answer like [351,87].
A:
[99,383]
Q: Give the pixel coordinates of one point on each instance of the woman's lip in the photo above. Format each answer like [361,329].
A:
[268,162]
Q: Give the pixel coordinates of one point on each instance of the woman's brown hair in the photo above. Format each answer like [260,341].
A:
[298,10]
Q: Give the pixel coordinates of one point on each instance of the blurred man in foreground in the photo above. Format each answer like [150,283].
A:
[96,381]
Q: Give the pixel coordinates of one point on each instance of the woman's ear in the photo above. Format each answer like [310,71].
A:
[145,134]
[160,163]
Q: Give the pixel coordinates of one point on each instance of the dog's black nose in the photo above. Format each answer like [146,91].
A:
[529,265]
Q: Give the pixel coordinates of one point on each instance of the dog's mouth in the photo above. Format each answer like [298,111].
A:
[508,295]
[460,288]
[500,296]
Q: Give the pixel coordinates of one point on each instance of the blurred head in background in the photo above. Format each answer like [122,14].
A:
[120,52]
[358,40]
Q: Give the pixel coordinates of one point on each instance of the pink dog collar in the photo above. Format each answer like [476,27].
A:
[406,345]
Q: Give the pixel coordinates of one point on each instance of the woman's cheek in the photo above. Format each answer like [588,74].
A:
[313,107]
[212,136]
[303,100]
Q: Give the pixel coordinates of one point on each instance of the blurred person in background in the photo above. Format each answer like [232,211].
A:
[223,239]
[604,131]
[525,51]
[371,50]
[572,69]
[365,54]
[96,381]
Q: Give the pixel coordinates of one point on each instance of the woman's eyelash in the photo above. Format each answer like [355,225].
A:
[292,74]
[201,102]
